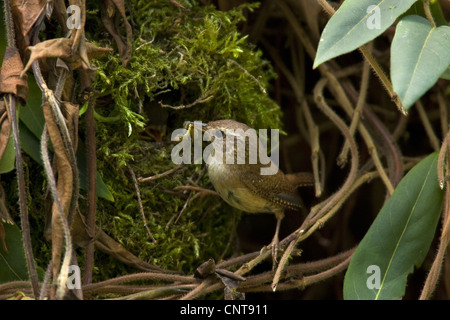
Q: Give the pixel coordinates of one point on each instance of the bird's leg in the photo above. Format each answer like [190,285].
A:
[275,241]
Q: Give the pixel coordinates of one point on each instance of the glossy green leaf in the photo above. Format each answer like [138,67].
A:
[399,238]
[355,23]
[13,265]
[420,54]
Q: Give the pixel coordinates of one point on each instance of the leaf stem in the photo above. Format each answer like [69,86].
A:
[426,7]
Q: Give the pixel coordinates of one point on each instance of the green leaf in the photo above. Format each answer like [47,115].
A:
[355,23]
[31,115]
[8,160]
[32,146]
[13,265]
[101,188]
[446,74]
[31,126]
[399,238]
[420,54]
[435,9]
[29,143]
[3,40]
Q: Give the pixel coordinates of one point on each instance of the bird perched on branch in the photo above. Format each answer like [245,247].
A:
[241,183]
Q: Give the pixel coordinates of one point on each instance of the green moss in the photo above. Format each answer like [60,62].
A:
[180,58]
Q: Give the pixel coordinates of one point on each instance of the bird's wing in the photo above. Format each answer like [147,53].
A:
[274,188]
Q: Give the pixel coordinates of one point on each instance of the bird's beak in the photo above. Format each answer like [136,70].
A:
[190,126]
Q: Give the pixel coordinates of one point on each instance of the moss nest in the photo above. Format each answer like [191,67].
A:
[186,65]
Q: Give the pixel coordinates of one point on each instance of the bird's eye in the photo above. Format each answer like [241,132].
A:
[219,133]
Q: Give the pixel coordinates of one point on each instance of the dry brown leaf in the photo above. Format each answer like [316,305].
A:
[25,14]
[4,213]
[71,114]
[62,48]
[53,48]
[5,129]
[64,186]
[3,237]
[109,19]
[92,52]
[10,75]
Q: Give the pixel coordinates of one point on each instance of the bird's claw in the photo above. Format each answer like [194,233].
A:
[274,248]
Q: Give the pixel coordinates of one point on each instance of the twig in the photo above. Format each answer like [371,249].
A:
[373,63]
[308,280]
[392,151]
[317,220]
[249,75]
[63,274]
[358,110]
[139,277]
[160,175]
[198,290]
[335,85]
[316,152]
[443,156]
[427,125]
[435,270]
[426,7]
[327,7]
[198,189]
[10,104]
[48,274]
[141,208]
[443,112]
[202,99]
[320,101]
[92,179]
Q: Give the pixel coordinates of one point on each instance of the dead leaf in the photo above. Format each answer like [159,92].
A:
[26,13]
[53,48]
[64,185]
[4,213]
[206,269]
[62,48]
[70,112]
[231,294]
[5,128]
[229,279]
[92,52]
[3,237]
[110,21]
[11,80]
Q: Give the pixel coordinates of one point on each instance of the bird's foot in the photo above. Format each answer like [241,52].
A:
[274,248]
